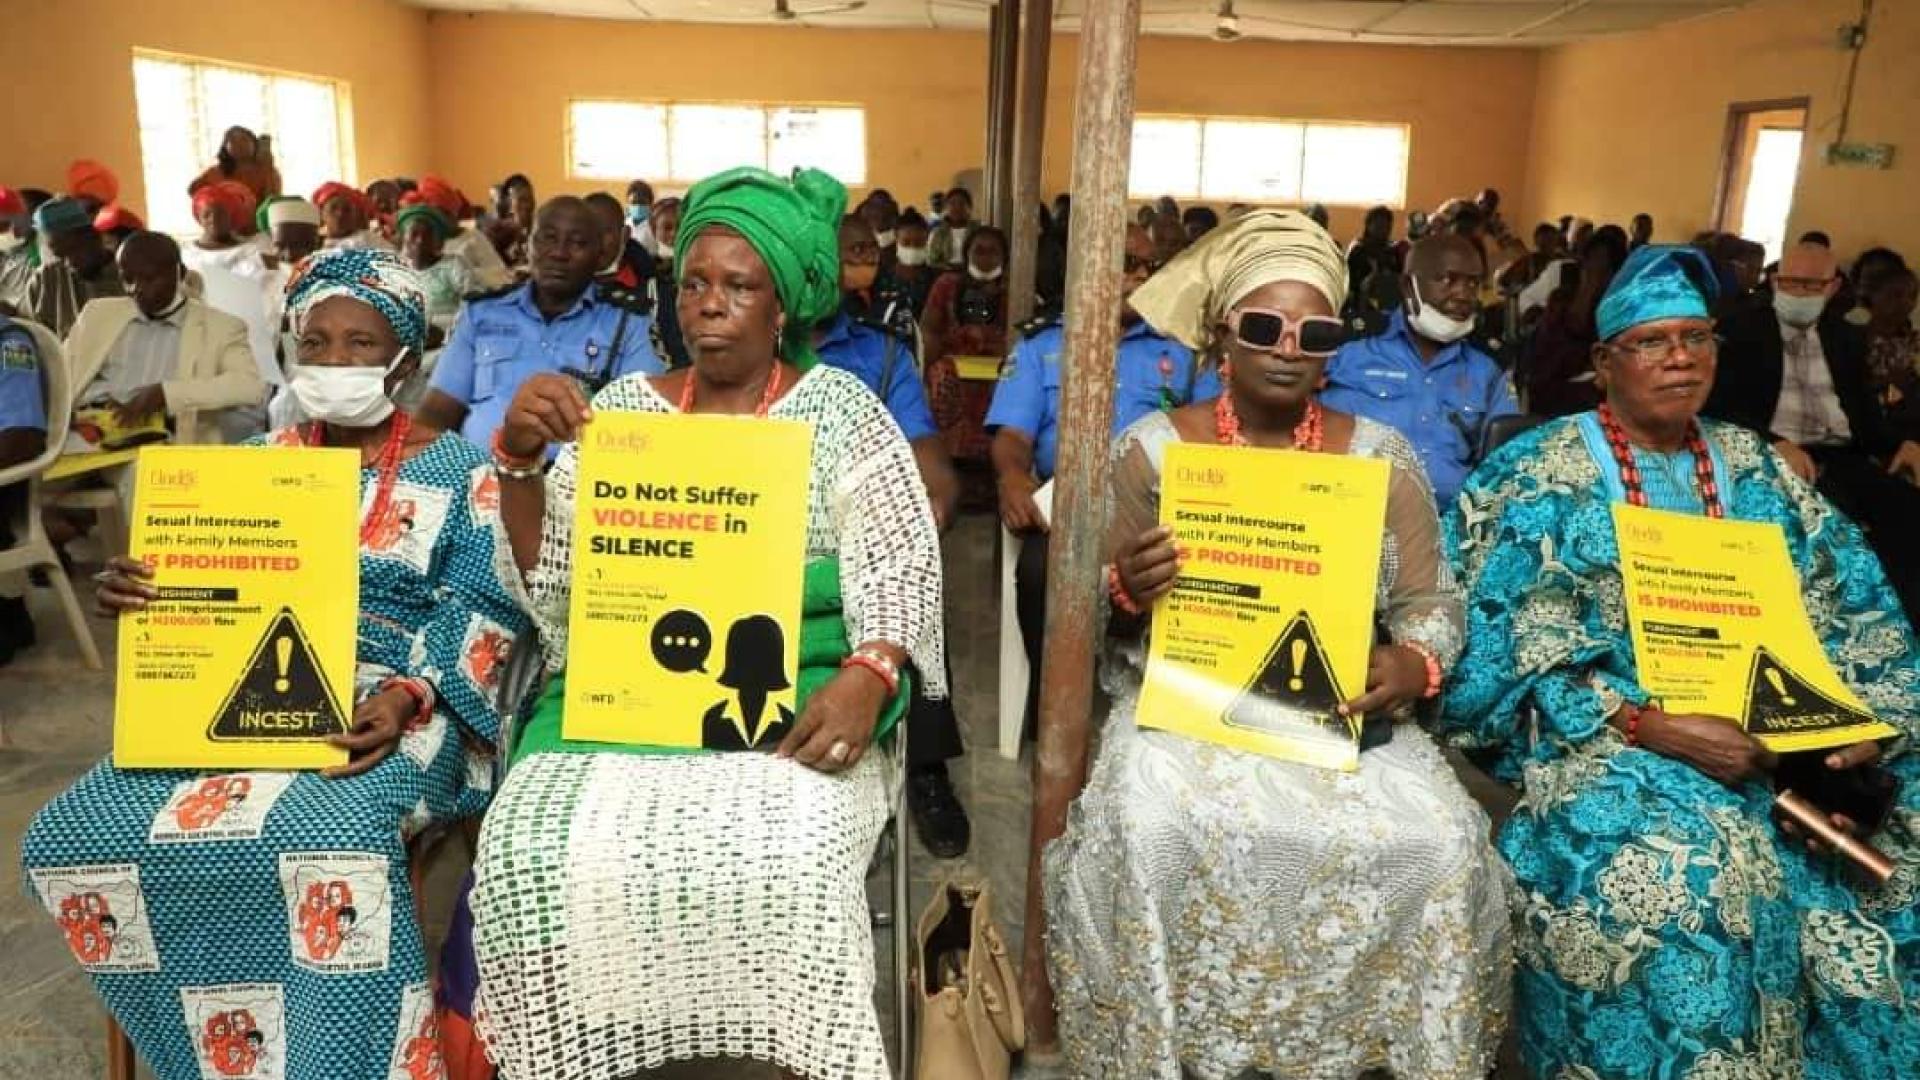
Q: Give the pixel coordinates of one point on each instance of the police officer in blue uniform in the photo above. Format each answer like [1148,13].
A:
[23,435]
[559,321]
[1153,372]
[1424,373]
[882,356]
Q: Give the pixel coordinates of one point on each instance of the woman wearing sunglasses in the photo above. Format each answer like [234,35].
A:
[1219,911]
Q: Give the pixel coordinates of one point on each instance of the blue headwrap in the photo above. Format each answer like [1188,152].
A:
[61,215]
[375,278]
[1659,281]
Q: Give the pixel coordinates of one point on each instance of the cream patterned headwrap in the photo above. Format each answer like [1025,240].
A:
[1194,292]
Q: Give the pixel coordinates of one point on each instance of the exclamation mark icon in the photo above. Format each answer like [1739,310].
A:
[282,653]
[1779,686]
[1298,647]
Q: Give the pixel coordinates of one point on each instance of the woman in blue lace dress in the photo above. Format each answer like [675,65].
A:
[1666,925]
[259,925]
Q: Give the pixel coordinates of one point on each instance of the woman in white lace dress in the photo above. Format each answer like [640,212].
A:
[1222,911]
[635,908]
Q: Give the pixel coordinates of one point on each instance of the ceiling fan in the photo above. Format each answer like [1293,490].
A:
[785,12]
[1226,26]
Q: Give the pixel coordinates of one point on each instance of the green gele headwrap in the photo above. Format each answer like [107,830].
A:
[414,211]
[795,227]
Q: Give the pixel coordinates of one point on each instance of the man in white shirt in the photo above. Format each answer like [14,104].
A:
[158,352]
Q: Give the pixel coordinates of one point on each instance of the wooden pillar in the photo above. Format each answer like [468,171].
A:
[1036,45]
[1006,72]
[1102,150]
[989,172]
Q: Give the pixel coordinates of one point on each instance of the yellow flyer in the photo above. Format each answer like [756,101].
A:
[1719,629]
[1268,629]
[246,660]
[689,555]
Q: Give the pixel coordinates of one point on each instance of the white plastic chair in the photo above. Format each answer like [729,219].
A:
[1014,669]
[31,549]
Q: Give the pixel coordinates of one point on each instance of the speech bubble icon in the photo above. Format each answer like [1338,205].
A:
[682,640]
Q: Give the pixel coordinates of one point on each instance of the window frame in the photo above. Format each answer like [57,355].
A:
[1305,126]
[342,90]
[669,105]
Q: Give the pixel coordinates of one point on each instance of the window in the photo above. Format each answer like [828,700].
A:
[1221,158]
[186,106]
[681,142]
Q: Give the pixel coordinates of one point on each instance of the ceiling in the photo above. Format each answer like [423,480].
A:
[1398,22]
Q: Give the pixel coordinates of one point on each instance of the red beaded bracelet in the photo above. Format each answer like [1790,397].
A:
[1634,713]
[510,463]
[421,693]
[1117,592]
[1434,675]
[882,668]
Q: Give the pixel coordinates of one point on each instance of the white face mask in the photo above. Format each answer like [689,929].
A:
[1433,324]
[884,239]
[977,274]
[354,397]
[911,256]
[1801,311]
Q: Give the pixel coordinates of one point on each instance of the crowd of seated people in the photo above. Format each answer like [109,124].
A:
[1211,911]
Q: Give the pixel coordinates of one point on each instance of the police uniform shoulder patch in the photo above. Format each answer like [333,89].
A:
[17,352]
[493,294]
[1487,342]
[897,332]
[632,300]
[1365,323]
[1037,325]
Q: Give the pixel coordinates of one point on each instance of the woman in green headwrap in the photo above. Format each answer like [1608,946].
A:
[633,907]
[423,231]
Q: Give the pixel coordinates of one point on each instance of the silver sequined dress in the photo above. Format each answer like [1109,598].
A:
[1221,911]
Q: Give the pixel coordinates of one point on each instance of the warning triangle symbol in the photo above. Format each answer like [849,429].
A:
[280,695]
[1780,702]
[1293,685]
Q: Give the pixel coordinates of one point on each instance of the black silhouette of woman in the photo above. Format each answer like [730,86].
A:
[756,667]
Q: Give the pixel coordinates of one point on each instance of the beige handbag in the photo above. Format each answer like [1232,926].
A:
[968,999]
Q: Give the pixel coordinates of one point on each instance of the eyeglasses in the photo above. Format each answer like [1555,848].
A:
[1265,329]
[1134,264]
[1648,351]
[1804,284]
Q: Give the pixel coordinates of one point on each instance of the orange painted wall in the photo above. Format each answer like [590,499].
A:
[1629,124]
[500,86]
[69,75]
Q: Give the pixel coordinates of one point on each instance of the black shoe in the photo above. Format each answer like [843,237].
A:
[937,814]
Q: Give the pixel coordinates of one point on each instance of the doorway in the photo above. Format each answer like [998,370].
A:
[1760,167]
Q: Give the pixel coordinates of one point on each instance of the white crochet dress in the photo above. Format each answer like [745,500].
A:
[633,910]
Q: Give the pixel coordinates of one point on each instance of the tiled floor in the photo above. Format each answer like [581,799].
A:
[55,721]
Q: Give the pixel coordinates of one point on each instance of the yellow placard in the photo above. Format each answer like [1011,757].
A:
[978,368]
[1269,626]
[689,555]
[246,660]
[1719,629]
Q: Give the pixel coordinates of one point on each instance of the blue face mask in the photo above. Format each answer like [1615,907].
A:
[637,214]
